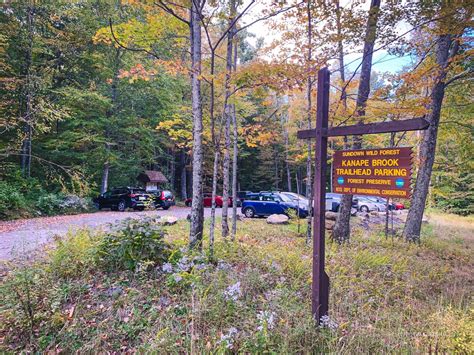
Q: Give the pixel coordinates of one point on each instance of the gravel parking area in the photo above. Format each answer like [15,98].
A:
[19,236]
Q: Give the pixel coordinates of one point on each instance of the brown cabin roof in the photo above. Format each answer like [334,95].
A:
[152,176]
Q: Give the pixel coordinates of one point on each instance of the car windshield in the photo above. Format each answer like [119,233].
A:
[137,191]
[167,194]
[293,196]
[285,198]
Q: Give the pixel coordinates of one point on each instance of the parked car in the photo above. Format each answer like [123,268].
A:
[163,199]
[399,205]
[207,201]
[333,203]
[297,198]
[265,204]
[241,195]
[368,203]
[121,198]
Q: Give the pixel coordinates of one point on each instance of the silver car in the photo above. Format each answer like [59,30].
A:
[368,204]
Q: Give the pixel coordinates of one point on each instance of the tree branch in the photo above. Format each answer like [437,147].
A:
[129,48]
[462,75]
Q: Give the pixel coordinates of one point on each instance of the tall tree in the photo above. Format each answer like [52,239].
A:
[448,43]
[228,108]
[309,117]
[197,208]
[341,232]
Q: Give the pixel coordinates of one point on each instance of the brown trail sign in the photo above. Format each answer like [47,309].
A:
[393,178]
[377,172]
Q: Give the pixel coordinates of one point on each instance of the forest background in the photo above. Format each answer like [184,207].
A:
[93,93]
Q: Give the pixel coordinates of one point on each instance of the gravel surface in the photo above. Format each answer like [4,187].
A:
[20,236]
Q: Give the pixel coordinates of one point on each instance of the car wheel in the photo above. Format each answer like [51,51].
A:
[364,209]
[166,207]
[188,203]
[122,206]
[249,212]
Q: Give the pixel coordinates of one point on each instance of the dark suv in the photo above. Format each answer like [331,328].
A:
[163,199]
[121,198]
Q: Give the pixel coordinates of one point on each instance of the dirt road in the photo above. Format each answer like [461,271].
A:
[20,236]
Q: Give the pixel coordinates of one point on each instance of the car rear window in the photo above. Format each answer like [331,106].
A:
[137,191]
[167,194]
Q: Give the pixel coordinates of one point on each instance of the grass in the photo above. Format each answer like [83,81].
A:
[386,296]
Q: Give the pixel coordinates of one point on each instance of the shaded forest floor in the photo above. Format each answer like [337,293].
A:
[253,296]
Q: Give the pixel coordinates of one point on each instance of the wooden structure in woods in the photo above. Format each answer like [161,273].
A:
[152,179]
[320,280]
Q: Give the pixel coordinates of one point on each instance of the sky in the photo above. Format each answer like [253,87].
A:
[382,60]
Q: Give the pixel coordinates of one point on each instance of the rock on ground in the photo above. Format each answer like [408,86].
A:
[330,224]
[168,220]
[331,215]
[277,219]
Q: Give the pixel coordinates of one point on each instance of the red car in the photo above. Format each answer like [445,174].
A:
[399,205]
[207,201]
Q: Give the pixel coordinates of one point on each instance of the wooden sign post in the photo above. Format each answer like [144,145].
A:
[320,286]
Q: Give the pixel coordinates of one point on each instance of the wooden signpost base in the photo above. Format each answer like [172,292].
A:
[320,286]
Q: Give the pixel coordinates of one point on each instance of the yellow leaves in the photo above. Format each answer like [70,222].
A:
[256,135]
[178,130]
[144,33]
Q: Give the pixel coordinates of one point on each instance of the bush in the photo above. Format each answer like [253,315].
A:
[12,202]
[73,255]
[51,204]
[133,242]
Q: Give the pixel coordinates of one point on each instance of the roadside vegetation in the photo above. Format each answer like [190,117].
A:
[27,197]
[138,288]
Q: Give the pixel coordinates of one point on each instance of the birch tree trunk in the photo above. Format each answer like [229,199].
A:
[444,53]
[197,209]
[309,108]
[109,115]
[27,129]
[341,231]
[227,121]
[216,141]
[235,155]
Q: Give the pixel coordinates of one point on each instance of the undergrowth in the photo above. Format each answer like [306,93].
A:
[253,296]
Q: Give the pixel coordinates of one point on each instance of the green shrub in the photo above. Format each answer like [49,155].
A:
[51,204]
[12,202]
[74,254]
[132,242]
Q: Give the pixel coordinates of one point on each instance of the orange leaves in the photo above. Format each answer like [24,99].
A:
[257,135]
[136,73]
[279,77]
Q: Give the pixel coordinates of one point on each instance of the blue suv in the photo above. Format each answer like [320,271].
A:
[265,204]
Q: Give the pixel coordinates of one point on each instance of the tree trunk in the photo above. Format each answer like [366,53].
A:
[184,192]
[216,141]
[287,148]
[309,107]
[428,145]
[235,156]
[27,129]
[341,231]
[227,121]
[110,114]
[214,193]
[197,209]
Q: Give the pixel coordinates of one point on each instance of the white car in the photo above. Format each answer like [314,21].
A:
[368,204]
